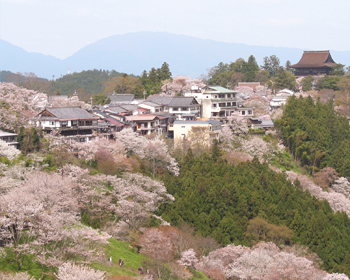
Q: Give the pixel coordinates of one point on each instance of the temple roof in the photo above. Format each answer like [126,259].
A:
[315,59]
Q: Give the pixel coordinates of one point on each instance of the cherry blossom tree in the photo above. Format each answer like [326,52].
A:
[35,207]
[336,276]
[263,261]
[8,151]
[188,258]
[138,196]
[70,271]
[17,105]
[64,102]
[342,185]
[157,245]
[337,200]
[180,85]
[237,123]
[154,150]
[261,105]
[15,276]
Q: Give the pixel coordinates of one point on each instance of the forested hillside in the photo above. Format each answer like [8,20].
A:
[247,203]
[316,135]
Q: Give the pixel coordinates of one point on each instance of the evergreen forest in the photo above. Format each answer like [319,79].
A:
[248,203]
[316,135]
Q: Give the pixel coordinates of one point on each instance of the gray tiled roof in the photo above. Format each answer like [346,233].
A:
[163,100]
[150,103]
[67,113]
[119,98]
[117,109]
[130,107]
[183,101]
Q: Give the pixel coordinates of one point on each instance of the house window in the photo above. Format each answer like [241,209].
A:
[88,122]
[243,113]
[183,126]
[221,95]
[183,136]
[214,105]
[184,109]
[216,96]
[234,103]
[222,104]
[52,123]
[175,109]
[228,104]
[228,95]
[157,110]
[250,112]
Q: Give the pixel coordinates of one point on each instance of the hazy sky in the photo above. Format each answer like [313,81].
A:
[62,27]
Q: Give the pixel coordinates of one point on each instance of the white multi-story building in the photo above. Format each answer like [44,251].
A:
[217,102]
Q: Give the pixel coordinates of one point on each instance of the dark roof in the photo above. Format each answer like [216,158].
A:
[116,109]
[66,113]
[315,59]
[162,100]
[114,121]
[149,103]
[120,98]
[130,107]
[183,101]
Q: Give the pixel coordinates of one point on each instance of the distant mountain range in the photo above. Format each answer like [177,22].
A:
[134,52]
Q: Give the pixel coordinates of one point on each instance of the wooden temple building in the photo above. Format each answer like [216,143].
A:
[314,63]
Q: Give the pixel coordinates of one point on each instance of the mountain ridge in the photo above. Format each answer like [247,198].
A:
[134,52]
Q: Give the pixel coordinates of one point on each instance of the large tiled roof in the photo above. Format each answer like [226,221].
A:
[149,103]
[69,113]
[315,59]
[116,109]
[182,101]
[130,107]
[163,100]
[120,98]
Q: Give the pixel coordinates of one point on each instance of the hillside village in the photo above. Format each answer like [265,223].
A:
[241,175]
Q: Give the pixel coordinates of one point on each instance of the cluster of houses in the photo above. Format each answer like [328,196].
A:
[200,109]
[176,117]
[204,109]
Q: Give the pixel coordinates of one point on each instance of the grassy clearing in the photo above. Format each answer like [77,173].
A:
[120,250]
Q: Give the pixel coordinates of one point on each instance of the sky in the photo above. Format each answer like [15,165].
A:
[62,27]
